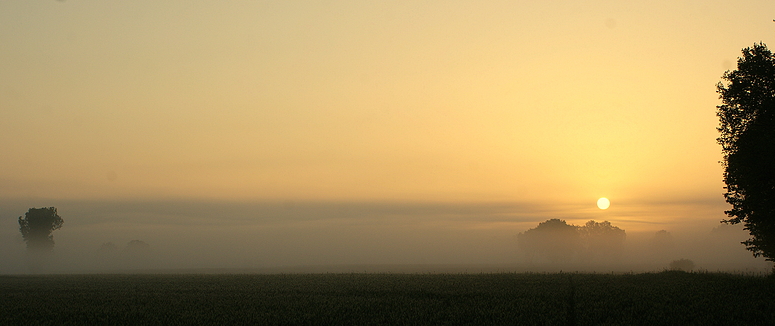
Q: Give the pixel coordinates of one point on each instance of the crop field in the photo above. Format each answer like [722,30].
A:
[668,298]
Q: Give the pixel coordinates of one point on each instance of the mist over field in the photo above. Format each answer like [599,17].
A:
[296,136]
[268,237]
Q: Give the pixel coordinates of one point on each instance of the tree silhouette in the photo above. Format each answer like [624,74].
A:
[602,240]
[661,242]
[557,241]
[36,227]
[554,239]
[747,138]
[661,246]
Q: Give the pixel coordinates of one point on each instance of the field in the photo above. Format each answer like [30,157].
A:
[668,298]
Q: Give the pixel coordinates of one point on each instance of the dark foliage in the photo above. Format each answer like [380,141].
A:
[557,241]
[554,240]
[602,240]
[747,128]
[36,227]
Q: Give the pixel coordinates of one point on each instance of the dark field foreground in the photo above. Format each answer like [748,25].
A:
[669,298]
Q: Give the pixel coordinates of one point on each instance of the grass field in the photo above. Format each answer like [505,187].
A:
[668,298]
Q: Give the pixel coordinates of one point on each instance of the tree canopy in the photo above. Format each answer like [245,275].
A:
[557,241]
[554,239]
[602,239]
[36,227]
[747,138]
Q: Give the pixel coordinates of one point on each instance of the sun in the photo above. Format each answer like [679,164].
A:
[603,203]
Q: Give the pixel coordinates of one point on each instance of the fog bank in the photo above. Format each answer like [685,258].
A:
[270,237]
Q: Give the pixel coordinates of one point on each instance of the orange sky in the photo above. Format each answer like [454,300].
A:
[555,103]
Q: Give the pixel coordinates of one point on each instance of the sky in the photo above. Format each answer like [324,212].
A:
[440,120]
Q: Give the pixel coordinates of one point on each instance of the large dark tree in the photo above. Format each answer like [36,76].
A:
[602,240]
[36,227]
[554,240]
[747,127]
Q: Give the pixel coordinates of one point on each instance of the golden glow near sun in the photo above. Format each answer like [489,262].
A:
[603,203]
[388,101]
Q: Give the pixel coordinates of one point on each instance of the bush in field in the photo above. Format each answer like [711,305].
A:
[684,265]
